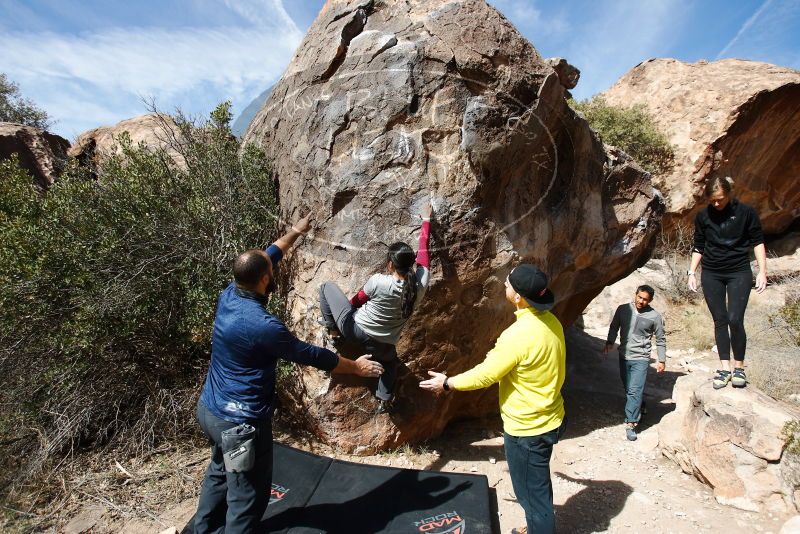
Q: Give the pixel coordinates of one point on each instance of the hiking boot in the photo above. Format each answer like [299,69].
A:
[332,335]
[739,379]
[630,433]
[721,379]
[331,331]
[519,530]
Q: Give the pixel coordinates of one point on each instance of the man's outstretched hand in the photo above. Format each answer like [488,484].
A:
[434,384]
[367,368]
[303,226]
[363,366]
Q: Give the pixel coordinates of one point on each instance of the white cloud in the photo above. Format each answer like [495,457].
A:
[770,34]
[746,26]
[618,35]
[530,21]
[263,12]
[104,74]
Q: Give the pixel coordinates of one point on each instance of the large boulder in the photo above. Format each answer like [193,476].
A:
[41,153]
[153,131]
[725,118]
[388,105]
[733,440]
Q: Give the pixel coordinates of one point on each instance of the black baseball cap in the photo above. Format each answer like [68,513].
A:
[531,284]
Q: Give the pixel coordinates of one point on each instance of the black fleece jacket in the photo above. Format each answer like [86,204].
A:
[725,238]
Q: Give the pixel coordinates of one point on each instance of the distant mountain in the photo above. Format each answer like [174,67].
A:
[246,117]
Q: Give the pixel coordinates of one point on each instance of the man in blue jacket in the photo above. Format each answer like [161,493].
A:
[240,386]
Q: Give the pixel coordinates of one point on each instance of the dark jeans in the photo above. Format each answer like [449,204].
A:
[339,313]
[634,376]
[529,466]
[728,315]
[233,502]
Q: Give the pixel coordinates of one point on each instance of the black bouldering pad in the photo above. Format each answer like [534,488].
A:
[312,494]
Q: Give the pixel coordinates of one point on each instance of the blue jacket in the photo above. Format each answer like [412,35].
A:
[245,348]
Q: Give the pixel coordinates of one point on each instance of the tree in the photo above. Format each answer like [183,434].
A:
[15,108]
[108,285]
[631,129]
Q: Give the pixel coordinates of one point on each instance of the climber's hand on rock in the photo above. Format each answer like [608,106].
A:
[427,211]
[303,226]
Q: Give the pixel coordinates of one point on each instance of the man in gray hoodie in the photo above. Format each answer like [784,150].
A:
[637,323]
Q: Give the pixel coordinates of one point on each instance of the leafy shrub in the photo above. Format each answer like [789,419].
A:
[774,371]
[674,246]
[631,129]
[791,430]
[787,319]
[108,285]
[15,108]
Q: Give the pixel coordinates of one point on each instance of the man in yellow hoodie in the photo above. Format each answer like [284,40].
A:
[529,362]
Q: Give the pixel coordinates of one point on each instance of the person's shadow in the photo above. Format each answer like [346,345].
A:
[373,510]
[593,507]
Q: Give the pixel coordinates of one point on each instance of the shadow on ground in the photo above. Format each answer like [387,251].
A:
[593,507]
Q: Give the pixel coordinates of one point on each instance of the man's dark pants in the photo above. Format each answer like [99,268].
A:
[339,313]
[233,502]
[529,466]
[634,375]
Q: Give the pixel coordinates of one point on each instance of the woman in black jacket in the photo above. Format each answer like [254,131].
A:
[724,233]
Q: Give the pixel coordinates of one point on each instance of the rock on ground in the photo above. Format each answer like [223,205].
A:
[725,118]
[389,105]
[154,131]
[792,526]
[40,153]
[733,440]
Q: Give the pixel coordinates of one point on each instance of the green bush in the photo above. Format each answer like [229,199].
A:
[791,430]
[787,318]
[108,284]
[15,108]
[631,129]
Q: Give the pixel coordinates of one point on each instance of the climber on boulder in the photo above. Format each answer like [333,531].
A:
[371,321]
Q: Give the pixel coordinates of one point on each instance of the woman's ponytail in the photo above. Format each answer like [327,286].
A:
[409,294]
[402,257]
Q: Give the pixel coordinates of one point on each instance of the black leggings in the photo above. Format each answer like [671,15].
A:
[730,315]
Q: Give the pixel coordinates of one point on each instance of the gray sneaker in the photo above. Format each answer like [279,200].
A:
[630,433]
[739,379]
[721,379]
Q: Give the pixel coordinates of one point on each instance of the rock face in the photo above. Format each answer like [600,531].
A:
[733,440]
[389,105]
[568,75]
[41,153]
[154,131]
[725,118]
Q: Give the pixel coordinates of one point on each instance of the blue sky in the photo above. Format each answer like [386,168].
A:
[91,62]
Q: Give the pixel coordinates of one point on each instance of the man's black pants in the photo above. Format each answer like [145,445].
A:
[233,502]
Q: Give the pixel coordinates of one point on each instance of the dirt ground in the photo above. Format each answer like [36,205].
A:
[601,481]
